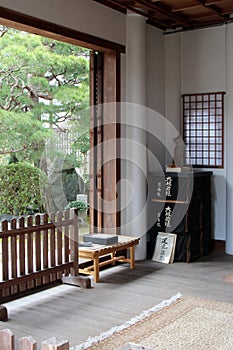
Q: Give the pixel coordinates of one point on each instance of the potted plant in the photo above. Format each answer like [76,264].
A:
[82,207]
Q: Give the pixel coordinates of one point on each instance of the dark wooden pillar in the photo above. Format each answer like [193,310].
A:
[105,129]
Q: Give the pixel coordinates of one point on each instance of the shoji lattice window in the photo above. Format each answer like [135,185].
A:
[203,116]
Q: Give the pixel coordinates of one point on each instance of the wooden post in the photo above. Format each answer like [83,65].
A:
[3,313]
[27,343]
[55,344]
[132,257]
[74,241]
[96,269]
[7,340]
[75,279]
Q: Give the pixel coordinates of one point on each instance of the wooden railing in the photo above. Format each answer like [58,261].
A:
[37,251]
[7,342]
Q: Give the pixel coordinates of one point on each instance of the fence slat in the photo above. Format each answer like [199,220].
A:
[5,253]
[22,247]
[52,248]
[59,240]
[30,245]
[22,255]
[13,251]
[45,248]
[38,244]
[74,241]
[14,271]
[66,240]
[7,340]
[30,251]
[38,249]
[52,242]
[55,344]
[5,259]
[27,343]
[45,244]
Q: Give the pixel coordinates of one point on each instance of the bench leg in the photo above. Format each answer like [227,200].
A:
[132,257]
[96,270]
[112,257]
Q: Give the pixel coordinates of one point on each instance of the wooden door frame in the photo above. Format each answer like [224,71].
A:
[105,129]
[21,21]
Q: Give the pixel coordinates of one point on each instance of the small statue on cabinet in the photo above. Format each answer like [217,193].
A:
[179,152]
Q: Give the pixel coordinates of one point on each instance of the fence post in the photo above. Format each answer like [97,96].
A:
[27,343]
[75,279]
[55,344]
[3,313]
[7,340]
[74,241]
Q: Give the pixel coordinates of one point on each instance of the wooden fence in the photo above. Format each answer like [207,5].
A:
[7,342]
[37,251]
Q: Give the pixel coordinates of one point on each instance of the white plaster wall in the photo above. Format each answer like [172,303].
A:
[155,69]
[83,15]
[203,67]
[196,62]
[155,88]
[173,79]
[172,86]
[203,60]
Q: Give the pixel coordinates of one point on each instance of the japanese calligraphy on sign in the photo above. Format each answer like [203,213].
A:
[158,220]
[165,247]
[168,186]
[168,213]
[159,189]
[164,218]
[171,188]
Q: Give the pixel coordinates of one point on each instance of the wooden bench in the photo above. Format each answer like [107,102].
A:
[97,250]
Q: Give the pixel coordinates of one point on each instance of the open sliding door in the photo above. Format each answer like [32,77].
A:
[104,133]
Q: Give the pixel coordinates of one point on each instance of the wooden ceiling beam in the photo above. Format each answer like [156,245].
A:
[212,8]
[227,12]
[126,2]
[200,3]
[166,12]
[202,16]
[212,2]
[126,6]
[185,8]
[208,4]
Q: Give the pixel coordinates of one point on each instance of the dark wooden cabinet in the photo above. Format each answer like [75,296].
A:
[181,203]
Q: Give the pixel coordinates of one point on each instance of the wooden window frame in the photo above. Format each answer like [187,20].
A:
[17,20]
[203,129]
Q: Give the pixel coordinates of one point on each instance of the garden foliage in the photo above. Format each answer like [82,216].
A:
[20,189]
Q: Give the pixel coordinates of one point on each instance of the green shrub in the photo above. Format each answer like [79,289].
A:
[20,188]
[80,205]
[72,184]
